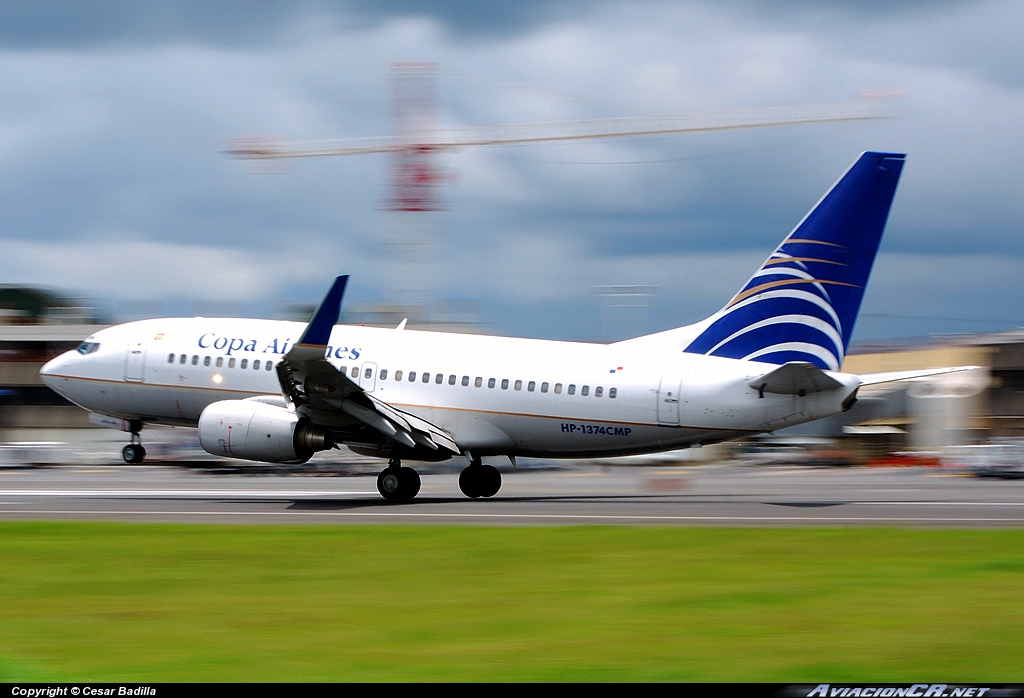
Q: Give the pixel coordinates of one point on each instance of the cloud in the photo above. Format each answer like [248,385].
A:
[121,268]
[109,126]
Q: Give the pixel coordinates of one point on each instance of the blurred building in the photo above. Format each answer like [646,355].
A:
[35,326]
[23,305]
[936,412]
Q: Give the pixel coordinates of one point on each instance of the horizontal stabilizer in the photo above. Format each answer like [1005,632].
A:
[795,378]
[892,376]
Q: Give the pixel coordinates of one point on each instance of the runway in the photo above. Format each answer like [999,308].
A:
[707,495]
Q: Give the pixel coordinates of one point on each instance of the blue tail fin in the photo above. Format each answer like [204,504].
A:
[802,303]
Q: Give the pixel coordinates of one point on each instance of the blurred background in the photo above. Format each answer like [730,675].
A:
[131,187]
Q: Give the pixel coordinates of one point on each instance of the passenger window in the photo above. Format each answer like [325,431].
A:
[558,388]
[439,378]
[412,376]
[451,379]
[220,361]
[383,374]
[585,390]
[572,389]
[518,385]
[531,385]
[598,391]
[543,387]
[426,378]
[612,392]
[231,362]
[355,372]
[478,382]
[206,361]
[368,373]
[195,360]
[183,359]
[269,365]
[245,363]
[398,375]
[465,381]
[256,365]
[343,370]
[170,358]
[504,383]
[491,382]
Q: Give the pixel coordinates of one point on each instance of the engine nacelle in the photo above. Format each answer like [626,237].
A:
[257,431]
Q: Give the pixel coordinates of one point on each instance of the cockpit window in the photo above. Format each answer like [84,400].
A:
[88,348]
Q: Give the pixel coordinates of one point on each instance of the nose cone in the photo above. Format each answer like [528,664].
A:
[51,369]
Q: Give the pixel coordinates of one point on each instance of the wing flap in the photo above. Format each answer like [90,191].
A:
[420,426]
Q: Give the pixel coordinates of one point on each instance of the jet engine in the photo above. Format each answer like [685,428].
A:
[258,431]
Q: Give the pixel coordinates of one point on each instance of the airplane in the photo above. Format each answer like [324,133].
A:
[279,392]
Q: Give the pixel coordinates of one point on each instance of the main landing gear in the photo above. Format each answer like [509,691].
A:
[396,483]
[400,484]
[478,480]
[134,453]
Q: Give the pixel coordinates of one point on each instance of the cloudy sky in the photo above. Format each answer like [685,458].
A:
[114,116]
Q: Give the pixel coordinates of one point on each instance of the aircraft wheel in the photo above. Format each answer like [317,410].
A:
[490,481]
[133,453]
[470,481]
[398,484]
[389,483]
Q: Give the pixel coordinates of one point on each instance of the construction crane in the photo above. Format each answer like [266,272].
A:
[415,177]
[415,141]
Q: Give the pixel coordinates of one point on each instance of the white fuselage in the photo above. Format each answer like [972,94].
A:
[494,395]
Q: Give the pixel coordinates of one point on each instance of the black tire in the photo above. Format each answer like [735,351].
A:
[410,486]
[133,454]
[469,481]
[490,481]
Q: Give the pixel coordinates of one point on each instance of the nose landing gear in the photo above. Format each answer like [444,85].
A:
[134,453]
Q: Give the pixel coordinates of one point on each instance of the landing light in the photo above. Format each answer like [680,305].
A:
[217,378]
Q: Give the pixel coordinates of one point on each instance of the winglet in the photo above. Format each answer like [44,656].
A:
[318,332]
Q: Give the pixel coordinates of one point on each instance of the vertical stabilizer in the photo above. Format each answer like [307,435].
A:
[802,303]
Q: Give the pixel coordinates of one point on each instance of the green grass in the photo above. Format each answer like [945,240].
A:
[125,602]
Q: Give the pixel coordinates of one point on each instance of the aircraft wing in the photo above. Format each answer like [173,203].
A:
[795,378]
[893,376]
[312,384]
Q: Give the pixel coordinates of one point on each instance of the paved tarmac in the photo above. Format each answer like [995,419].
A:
[706,495]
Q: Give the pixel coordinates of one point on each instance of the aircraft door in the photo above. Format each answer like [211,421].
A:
[134,362]
[668,401]
[368,377]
